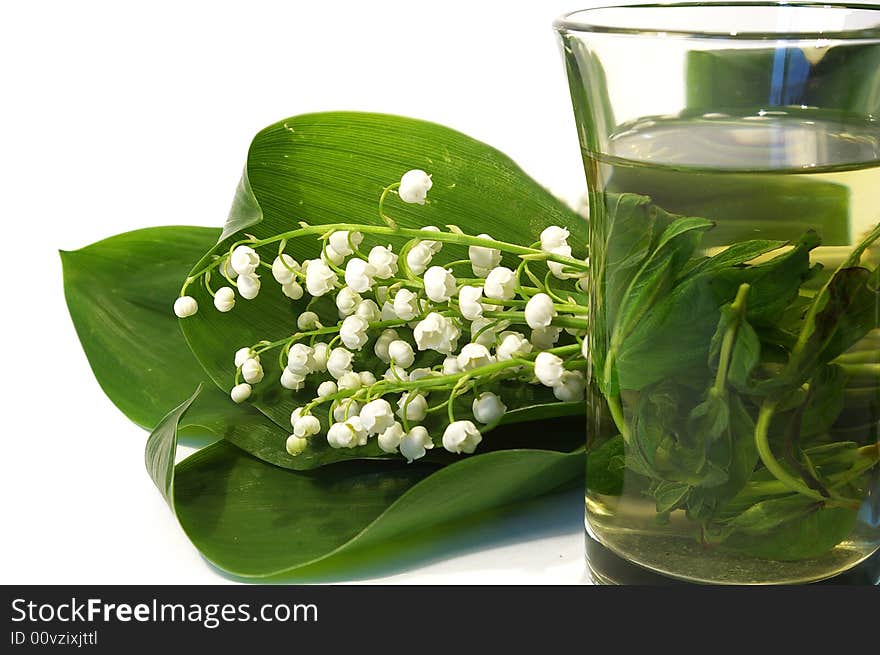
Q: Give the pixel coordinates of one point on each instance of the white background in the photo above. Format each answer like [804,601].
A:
[121,115]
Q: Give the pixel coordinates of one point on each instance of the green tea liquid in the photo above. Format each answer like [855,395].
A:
[768,176]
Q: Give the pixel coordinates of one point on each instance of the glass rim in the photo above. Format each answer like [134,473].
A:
[567,22]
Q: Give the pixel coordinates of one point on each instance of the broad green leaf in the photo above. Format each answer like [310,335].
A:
[256,520]
[332,167]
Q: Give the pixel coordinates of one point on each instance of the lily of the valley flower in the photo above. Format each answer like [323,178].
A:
[419,256]
[548,369]
[382,344]
[483,259]
[359,274]
[540,310]
[554,240]
[368,310]
[377,416]
[439,284]
[390,439]
[339,362]
[461,437]
[570,387]
[513,344]
[545,338]
[406,305]
[342,241]
[307,426]
[320,278]
[412,406]
[401,353]
[244,260]
[469,302]
[349,381]
[320,353]
[291,380]
[295,445]
[248,285]
[434,246]
[240,392]
[244,354]
[488,408]
[414,186]
[353,332]
[384,261]
[307,321]
[474,355]
[436,332]
[344,409]
[500,283]
[292,290]
[252,371]
[347,434]
[185,306]
[327,388]
[224,299]
[347,301]
[415,443]
[284,269]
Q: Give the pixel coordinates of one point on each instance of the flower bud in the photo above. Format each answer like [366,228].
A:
[244,354]
[240,392]
[461,437]
[488,408]
[224,299]
[252,371]
[307,321]
[414,186]
[185,306]
[295,445]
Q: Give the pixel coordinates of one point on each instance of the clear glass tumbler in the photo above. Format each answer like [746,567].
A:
[732,153]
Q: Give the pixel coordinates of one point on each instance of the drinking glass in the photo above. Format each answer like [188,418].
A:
[732,155]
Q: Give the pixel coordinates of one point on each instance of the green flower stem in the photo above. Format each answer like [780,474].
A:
[738,307]
[558,321]
[762,427]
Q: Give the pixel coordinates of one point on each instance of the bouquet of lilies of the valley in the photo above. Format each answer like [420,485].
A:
[387,336]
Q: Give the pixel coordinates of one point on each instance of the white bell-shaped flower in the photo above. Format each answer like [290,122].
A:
[347,301]
[248,285]
[185,306]
[548,369]
[553,237]
[450,365]
[390,439]
[244,260]
[488,408]
[252,371]
[461,437]
[359,274]
[308,321]
[415,443]
[295,445]
[545,338]
[382,343]
[224,299]
[436,332]
[419,257]
[339,362]
[353,332]
[435,246]
[406,305]
[474,355]
[307,426]
[540,310]
[244,354]
[320,278]
[240,392]
[571,386]
[327,388]
[284,269]
[414,186]
[367,378]
[513,344]
[413,406]
[377,416]
[346,408]
[500,283]
[384,261]
[347,434]
[342,241]
[349,381]
[485,330]
[320,353]
[329,255]
[291,380]
[401,353]
[483,259]
[469,302]
[368,310]
[292,290]
[439,284]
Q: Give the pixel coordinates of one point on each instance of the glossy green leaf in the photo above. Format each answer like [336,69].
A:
[256,520]
[332,167]
[120,292]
